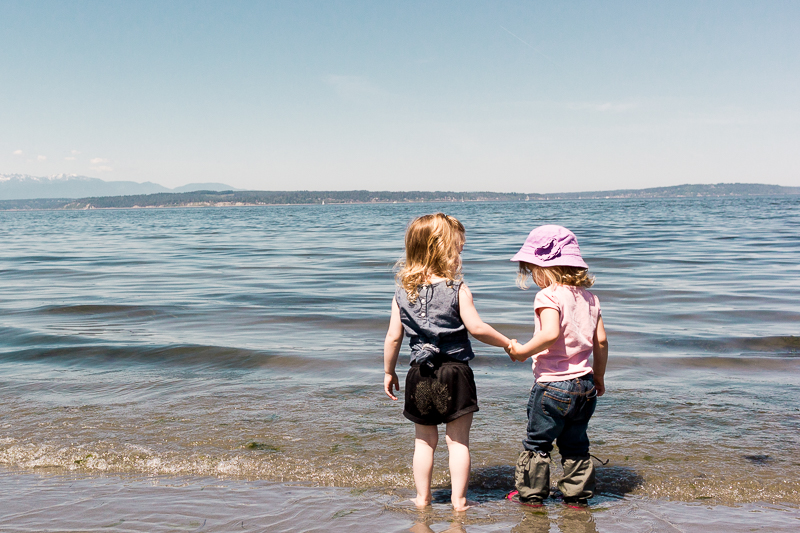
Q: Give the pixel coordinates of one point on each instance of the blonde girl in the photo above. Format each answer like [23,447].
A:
[569,329]
[434,307]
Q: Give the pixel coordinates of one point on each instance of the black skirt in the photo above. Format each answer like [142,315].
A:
[440,395]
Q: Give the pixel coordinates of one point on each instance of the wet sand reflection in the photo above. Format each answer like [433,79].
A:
[566,519]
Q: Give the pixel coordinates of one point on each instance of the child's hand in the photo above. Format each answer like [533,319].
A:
[600,385]
[390,381]
[513,350]
[509,348]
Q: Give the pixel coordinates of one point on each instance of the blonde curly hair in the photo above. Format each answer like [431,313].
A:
[433,248]
[546,276]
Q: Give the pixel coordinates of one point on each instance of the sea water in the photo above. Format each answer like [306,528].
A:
[157,354]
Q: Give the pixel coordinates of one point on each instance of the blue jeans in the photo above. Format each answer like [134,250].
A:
[560,411]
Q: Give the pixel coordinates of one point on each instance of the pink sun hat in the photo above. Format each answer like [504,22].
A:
[551,245]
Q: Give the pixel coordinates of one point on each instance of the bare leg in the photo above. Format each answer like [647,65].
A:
[457,437]
[424,446]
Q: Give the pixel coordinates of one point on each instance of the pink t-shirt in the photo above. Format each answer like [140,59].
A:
[568,357]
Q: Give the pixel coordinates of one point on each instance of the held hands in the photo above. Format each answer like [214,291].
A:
[509,347]
[513,350]
[390,381]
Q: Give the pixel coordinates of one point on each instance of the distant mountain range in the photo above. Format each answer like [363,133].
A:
[22,186]
[208,198]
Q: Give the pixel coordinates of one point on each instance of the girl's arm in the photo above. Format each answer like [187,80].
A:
[600,356]
[542,339]
[391,349]
[477,327]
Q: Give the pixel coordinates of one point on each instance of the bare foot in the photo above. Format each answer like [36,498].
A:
[461,507]
[420,502]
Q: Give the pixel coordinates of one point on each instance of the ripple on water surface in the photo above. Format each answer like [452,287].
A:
[246,343]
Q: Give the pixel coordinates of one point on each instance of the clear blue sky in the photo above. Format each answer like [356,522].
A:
[466,95]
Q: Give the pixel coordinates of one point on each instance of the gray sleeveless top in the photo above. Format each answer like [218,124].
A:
[434,319]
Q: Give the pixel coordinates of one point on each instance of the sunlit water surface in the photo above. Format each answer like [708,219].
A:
[244,345]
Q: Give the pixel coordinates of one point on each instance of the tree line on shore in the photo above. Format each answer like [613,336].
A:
[211,198]
[233,198]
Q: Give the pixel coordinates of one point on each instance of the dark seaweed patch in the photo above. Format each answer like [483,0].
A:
[758,459]
[262,446]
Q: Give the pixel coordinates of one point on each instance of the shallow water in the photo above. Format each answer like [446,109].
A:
[38,503]
[244,345]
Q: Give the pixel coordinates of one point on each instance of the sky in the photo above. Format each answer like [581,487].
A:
[531,97]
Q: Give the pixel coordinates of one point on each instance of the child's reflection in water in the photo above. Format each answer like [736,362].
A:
[423,527]
[570,520]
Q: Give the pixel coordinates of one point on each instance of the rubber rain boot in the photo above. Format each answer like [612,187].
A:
[532,477]
[578,483]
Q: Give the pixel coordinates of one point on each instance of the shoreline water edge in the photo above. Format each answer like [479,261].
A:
[134,503]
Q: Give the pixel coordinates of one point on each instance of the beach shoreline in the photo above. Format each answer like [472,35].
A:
[74,502]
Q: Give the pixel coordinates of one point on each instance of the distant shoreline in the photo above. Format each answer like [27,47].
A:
[278,198]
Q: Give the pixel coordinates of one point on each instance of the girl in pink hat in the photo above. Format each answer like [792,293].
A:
[569,329]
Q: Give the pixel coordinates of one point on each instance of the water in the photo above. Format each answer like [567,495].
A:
[241,348]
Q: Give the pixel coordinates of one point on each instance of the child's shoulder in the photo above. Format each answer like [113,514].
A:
[547,297]
[583,296]
[565,293]
[401,295]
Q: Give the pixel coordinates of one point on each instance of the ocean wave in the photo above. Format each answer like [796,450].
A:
[276,462]
[34,346]
[775,346]
[127,311]
[246,310]
[177,355]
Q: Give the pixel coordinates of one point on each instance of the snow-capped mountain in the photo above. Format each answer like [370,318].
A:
[23,186]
